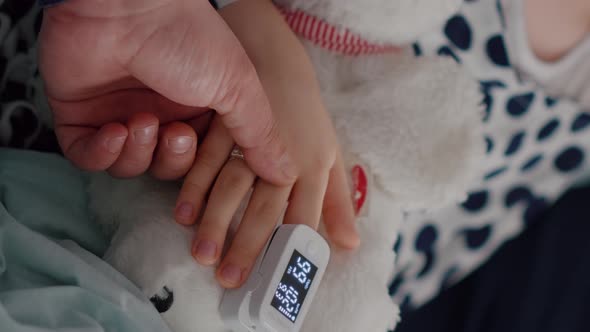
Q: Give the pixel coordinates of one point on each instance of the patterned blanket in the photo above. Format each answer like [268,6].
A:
[25,119]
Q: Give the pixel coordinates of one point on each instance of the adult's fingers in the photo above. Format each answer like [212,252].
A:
[175,152]
[204,69]
[337,211]
[136,156]
[92,149]
[211,156]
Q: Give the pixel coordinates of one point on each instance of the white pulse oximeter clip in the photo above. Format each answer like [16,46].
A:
[279,291]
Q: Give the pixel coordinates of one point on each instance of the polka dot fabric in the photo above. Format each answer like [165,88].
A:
[537,146]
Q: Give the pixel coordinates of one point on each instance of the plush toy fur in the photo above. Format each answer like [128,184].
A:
[412,123]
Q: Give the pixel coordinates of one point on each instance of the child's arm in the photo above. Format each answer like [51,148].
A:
[321,185]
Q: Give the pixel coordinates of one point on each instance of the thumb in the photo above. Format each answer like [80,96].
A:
[193,58]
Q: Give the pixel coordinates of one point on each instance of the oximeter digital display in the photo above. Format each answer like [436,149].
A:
[282,284]
[294,285]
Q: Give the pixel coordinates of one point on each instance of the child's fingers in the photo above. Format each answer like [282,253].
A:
[305,203]
[232,185]
[175,152]
[136,156]
[211,156]
[338,211]
[262,215]
[91,149]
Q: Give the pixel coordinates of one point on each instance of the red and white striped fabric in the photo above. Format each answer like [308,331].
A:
[330,37]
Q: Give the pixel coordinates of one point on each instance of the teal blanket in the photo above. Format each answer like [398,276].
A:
[51,274]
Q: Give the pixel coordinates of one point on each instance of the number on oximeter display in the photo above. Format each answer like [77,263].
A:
[294,285]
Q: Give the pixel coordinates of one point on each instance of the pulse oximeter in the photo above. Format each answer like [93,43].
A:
[282,284]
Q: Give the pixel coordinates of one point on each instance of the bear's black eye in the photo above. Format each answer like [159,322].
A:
[164,300]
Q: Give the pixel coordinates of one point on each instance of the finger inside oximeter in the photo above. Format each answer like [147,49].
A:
[278,293]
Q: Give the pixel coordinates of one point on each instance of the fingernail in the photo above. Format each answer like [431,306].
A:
[115,145]
[231,274]
[205,250]
[184,210]
[145,135]
[181,144]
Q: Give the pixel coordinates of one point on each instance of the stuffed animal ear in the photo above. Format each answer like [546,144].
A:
[380,21]
[416,125]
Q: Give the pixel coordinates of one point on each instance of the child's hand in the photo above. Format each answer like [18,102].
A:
[326,184]
[320,185]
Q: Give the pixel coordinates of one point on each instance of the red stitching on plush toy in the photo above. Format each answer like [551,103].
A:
[360,187]
[330,37]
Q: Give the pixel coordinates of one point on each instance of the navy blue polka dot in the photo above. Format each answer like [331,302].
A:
[428,264]
[458,31]
[446,51]
[519,104]
[517,194]
[496,51]
[486,88]
[548,130]
[515,143]
[426,238]
[581,122]
[417,49]
[531,163]
[569,159]
[489,144]
[550,102]
[476,201]
[535,208]
[394,286]
[489,85]
[495,173]
[475,238]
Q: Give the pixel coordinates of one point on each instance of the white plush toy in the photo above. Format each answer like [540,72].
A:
[410,125]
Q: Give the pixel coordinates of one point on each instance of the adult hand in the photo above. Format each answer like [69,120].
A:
[129,81]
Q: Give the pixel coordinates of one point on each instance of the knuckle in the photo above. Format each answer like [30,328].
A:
[234,176]
[212,228]
[271,136]
[195,190]
[261,207]
[236,83]
[209,159]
